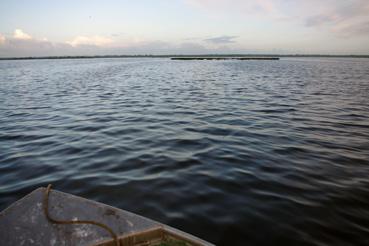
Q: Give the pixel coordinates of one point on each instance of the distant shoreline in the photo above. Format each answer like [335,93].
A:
[171,56]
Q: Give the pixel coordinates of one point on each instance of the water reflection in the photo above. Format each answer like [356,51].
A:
[230,151]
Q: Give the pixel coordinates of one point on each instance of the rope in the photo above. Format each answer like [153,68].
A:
[54,221]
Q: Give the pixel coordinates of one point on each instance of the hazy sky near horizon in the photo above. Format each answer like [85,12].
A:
[89,27]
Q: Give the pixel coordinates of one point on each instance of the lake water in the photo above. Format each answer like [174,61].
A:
[235,152]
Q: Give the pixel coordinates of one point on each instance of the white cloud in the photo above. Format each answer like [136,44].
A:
[22,45]
[19,34]
[91,41]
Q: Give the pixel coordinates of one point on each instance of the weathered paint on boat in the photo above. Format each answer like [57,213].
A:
[24,222]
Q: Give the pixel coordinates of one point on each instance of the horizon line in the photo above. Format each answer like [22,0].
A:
[180,55]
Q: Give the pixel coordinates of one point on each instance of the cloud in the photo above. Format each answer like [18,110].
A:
[242,7]
[19,34]
[2,39]
[90,41]
[349,30]
[12,47]
[23,45]
[221,39]
[117,34]
[34,47]
[345,18]
[342,11]
[318,20]
[329,16]
[19,46]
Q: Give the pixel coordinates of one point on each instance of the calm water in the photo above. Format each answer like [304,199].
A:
[235,152]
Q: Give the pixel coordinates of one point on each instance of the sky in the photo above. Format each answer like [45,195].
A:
[123,27]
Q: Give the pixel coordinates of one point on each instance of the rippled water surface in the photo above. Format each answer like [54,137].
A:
[235,152]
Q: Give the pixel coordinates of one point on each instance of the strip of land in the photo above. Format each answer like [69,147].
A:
[224,58]
[186,57]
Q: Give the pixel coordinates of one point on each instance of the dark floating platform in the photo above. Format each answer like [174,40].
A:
[224,58]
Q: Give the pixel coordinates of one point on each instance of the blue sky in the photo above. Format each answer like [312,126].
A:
[89,27]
